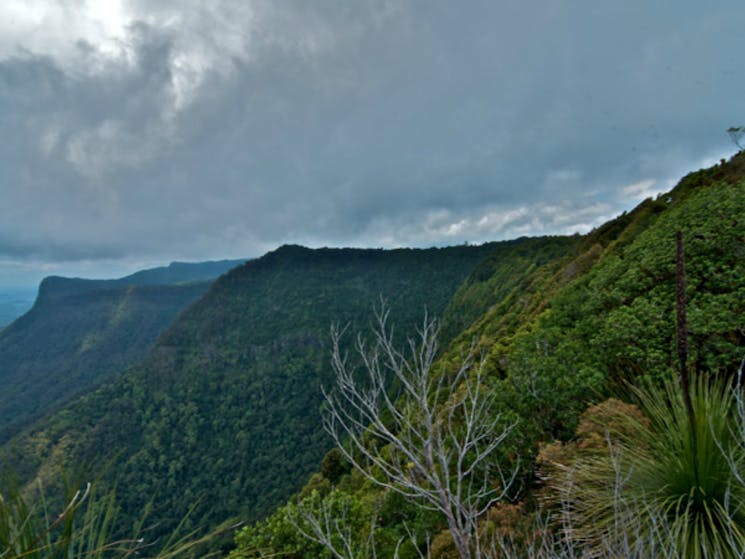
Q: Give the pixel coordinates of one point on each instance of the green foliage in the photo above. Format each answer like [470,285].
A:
[226,405]
[616,321]
[685,473]
[30,529]
[79,333]
[357,515]
[333,466]
[500,277]
[280,533]
[659,479]
[81,525]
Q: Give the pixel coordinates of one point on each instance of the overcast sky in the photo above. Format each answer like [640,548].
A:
[135,132]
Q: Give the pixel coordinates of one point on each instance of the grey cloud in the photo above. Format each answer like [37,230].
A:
[226,130]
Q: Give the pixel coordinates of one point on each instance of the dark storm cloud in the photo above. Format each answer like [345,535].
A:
[224,131]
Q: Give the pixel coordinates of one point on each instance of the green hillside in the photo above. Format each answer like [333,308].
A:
[610,318]
[176,273]
[226,405]
[572,331]
[81,331]
[502,276]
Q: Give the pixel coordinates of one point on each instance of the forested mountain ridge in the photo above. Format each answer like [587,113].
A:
[568,334]
[226,404]
[630,260]
[582,327]
[503,274]
[176,273]
[508,310]
[80,331]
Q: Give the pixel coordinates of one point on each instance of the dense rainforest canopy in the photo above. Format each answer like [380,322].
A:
[80,332]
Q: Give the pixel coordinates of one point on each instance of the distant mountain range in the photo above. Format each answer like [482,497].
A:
[16,301]
[79,331]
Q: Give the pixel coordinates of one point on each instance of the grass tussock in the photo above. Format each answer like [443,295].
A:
[84,526]
[655,480]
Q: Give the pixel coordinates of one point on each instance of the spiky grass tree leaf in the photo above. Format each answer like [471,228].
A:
[662,482]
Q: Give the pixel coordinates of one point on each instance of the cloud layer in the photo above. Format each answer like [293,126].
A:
[143,130]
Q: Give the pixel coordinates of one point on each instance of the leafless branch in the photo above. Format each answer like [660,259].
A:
[433,442]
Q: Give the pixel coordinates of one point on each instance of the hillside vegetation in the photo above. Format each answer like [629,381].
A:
[79,332]
[226,405]
[568,334]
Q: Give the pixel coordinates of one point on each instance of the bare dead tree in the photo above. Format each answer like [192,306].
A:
[434,441]
[326,522]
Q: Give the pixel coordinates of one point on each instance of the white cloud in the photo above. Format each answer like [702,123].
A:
[641,190]
[492,223]
[57,28]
